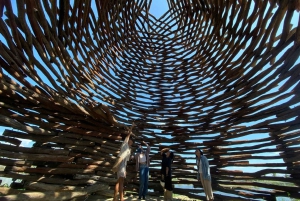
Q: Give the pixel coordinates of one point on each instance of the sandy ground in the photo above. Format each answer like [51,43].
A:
[148,198]
[135,197]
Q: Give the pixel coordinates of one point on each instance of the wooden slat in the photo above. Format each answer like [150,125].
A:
[220,76]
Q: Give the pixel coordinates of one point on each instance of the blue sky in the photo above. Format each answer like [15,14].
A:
[158,8]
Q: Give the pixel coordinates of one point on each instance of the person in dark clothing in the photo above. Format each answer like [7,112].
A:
[166,171]
[163,164]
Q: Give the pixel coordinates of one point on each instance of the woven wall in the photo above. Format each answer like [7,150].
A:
[218,75]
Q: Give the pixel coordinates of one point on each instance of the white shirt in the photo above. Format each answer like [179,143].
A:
[199,166]
[142,158]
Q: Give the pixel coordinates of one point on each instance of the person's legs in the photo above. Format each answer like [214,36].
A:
[169,195]
[142,180]
[168,183]
[116,190]
[206,184]
[168,188]
[208,189]
[201,179]
[121,187]
[146,179]
[203,185]
[165,195]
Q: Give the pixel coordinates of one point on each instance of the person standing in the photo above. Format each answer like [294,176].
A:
[120,166]
[142,165]
[166,171]
[203,174]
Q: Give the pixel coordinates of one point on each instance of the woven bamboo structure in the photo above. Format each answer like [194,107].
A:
[220,75]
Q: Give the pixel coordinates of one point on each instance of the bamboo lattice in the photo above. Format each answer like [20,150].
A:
[218,75]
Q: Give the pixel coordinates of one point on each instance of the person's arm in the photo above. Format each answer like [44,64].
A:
[127,137]
[146,144]
[163,151]
[148,148]
[130,132]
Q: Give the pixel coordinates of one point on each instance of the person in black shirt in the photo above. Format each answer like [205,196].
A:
[166,171]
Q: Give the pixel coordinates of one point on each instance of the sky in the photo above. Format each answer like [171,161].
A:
[158,8]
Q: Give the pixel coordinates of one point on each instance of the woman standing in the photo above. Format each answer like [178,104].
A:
[166,171]
[142,165]
[203,174]
[120,167]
